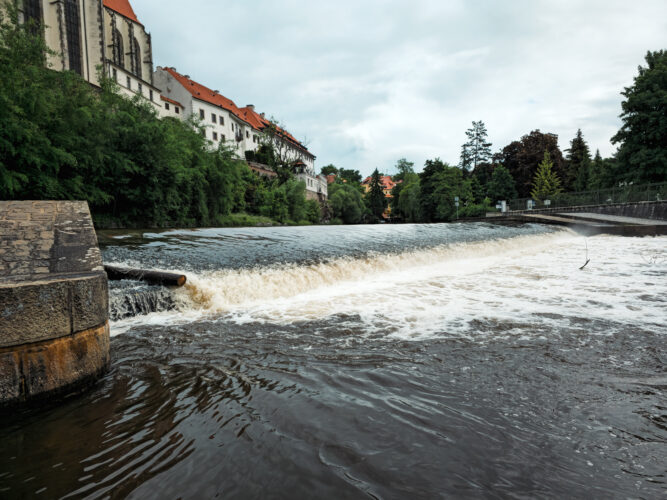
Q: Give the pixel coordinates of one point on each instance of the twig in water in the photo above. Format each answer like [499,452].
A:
[587,259]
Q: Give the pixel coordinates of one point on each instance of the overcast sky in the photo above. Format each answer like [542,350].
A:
[365,83]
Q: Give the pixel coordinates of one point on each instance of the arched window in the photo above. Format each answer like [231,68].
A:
[73,32]
[118,48]
[137,58]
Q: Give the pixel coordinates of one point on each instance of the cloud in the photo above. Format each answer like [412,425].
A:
[368,82]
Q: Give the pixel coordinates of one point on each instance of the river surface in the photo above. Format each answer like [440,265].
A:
[402,361]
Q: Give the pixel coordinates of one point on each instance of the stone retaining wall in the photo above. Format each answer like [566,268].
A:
[54,333]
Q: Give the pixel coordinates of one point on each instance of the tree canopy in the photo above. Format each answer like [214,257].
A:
[546,182]
[642,154]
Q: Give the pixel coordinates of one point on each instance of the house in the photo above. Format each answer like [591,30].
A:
[242,128]
[387,185]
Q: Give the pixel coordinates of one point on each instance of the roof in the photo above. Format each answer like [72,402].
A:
[123,7]
[175,103]
[385,180]
[247,114]
[259,122]
[203,93]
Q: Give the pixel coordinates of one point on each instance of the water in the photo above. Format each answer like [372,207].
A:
[425,361]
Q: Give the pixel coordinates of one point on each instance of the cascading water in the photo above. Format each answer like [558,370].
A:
[407,361]
[128,299]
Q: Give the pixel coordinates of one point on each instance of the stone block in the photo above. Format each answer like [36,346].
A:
[90,302]
[34,311]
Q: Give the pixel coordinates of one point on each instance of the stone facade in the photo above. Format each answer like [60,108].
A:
[54,333]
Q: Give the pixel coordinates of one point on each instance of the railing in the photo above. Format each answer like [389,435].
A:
[624,194]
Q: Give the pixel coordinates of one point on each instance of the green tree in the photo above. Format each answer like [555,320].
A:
[403,169]
[350,175]
[578,164]
[522,157]
[546,182]
[642,155]
[329,169]
[477,150]
[408,205]
[439,185]
[377,202]
[346,203]
[501,185]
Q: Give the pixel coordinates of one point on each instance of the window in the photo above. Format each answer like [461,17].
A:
[33,12]
[129,83]
[232,127]
[177,109]
[213,118]
[247,134]
[202,114]
[136,58]
[222,137]
[139,88]
[215,136]
[73,35]
[222,120]
[166,106]
[150,95]
[114,74]
[118,48]
[203,133]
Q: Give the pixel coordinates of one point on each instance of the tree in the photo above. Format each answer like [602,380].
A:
[578,164]
[408,204]
[545,183]
[403,168]
[377,202]
[329,170]
[477,150]
[346,203]
[501,185]
[350,175]
[522,157]
[642,155]
[439,185]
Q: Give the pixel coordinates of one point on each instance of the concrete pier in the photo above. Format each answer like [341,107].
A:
[54,330]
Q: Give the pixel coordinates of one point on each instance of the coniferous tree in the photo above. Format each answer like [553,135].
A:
[377,201]
[642,155]
[578,160]
[597,174]
[546,182]
[477,150]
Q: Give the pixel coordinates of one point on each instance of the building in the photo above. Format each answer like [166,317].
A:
[86,35]
[242,128]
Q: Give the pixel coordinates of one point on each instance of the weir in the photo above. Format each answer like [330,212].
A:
[54,330]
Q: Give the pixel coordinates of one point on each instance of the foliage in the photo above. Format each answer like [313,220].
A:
[408,203]
[439,185]
[61,139]
[329,170]
[377,202]
[346,203]
[578,164]
[501,185]
[642,155]
[522,157]
[546,182]
[477,150]
[403,168]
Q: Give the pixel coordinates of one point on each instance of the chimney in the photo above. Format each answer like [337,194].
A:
[251,106]
[262,115]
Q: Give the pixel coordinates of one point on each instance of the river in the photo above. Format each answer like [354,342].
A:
[388,361]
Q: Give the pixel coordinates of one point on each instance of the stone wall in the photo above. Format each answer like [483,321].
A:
[54,333]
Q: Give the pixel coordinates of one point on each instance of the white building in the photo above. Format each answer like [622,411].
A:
[243,128]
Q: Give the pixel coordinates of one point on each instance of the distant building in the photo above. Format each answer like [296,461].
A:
[242,128]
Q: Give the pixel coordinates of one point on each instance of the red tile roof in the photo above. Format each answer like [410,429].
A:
[259,122]
[123,7]
[247,114]
[175,103]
